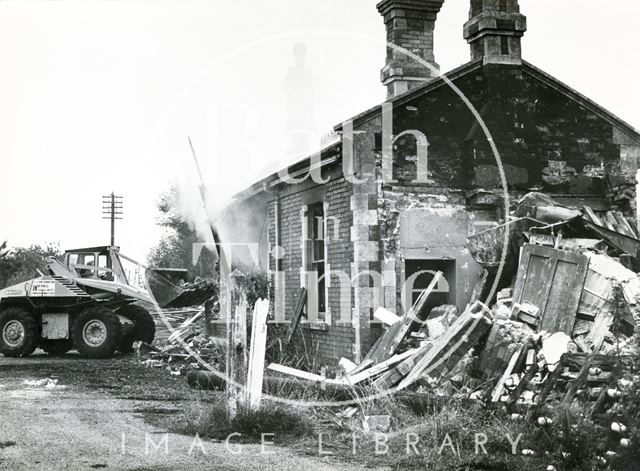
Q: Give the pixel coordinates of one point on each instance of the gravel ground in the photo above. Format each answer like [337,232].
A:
[70,413]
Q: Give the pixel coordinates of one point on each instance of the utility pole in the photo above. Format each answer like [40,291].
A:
[112,209]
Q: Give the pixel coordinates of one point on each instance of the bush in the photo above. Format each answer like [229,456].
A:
[22,263]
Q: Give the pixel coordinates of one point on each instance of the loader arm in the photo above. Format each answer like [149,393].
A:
[56,268]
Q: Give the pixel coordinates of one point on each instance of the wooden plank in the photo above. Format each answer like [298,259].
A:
[347,365]
[549,384]
[362,366]
[184,327]
[378,350]
[498,390]
[380,367]
[610,222]
[468,326]
[398,331]
[622,220]
[592,216]
[603,396]
[255,375]
[297,314]
[552,280]
[233,301]
[626,244]
[385,316]
[302,374]
[524,383]
[576,383]
[296,373]
[395,375]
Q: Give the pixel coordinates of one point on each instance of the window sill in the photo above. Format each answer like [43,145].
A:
[320,326]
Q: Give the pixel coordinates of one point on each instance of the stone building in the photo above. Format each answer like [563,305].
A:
[429,176]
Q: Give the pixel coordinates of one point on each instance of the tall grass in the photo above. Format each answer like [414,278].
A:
[213,421]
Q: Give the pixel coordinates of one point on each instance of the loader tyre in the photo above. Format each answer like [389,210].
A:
[56,347]
[144,330]
[19,332]
[96,332]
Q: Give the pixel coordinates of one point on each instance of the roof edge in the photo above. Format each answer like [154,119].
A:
[438,82]
[581,99]
[328,155]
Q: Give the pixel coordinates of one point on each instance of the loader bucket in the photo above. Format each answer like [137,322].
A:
[168,294]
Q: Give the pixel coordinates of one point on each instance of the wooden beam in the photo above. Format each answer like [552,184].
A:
[463,333]
[385,316]
[626,244]
[380,367]
[592,216]
[362,366]
[395,375]
[499,389]
[622,221]
[303,374]
[575,384]
[236,362]
[397,332]
[524,382]
[297,313]
[257,349]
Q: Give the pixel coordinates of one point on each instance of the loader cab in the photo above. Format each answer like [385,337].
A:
[100,263]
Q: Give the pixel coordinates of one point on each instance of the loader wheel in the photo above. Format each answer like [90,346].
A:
[145,327]
[19,332]
[56,347]
[96,332]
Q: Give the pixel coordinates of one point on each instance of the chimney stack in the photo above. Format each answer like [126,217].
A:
[494,30]
[410,25]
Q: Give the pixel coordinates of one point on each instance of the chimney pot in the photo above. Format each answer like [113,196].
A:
[410,25]
[494,31]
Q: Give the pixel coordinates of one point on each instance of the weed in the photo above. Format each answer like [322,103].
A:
[214,421]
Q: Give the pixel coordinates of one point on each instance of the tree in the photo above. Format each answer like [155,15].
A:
[22,263]
[175,248]
[4,250]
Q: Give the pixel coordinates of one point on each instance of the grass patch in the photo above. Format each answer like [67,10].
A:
[431,433]
[213,421]
[443,437]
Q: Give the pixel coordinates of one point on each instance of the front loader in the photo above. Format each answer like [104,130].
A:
[86,301]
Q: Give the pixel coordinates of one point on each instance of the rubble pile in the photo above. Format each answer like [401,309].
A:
[557,331]
[185,348]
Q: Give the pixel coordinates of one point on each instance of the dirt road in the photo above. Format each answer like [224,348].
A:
[71,413]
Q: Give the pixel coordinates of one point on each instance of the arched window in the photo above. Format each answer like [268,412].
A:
[405,159]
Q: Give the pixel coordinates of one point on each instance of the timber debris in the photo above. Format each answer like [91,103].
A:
[559,330]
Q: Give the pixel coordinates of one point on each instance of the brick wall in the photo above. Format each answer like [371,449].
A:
[325,342]
[337,338]
[545,139]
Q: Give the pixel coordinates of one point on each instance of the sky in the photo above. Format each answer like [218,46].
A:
[101,96]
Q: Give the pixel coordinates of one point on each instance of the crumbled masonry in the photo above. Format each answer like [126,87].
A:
[551,332]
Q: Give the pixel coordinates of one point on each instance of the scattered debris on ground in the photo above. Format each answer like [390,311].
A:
[47,383]
[185,348]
